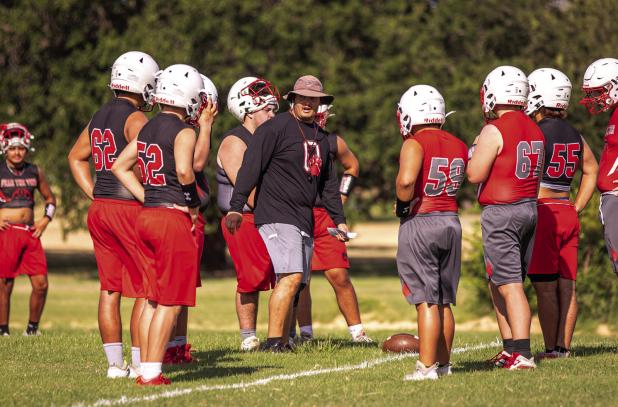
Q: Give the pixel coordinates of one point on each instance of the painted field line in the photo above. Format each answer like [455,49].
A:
[368,364]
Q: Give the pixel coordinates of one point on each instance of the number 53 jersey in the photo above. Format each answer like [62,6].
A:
[442,171]
[515,173]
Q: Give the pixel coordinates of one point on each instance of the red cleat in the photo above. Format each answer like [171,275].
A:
[184,354]
[171,355]
[500,359]
[157,381]
[519,362]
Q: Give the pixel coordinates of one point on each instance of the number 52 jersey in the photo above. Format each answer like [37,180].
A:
[442,172]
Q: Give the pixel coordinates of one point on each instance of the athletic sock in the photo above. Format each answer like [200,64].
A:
[247,333]
[306,330]
[293,332]
[522,346]
[561,349]
[170,344]
[135,356]
[355,330]
[180,340]
[150,370]
[32,327]
[4,329]
[550,350]
[113,351]
[508,345]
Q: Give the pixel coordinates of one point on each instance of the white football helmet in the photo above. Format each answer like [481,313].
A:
[15,134]
[505,85]
[251,94]
[134,72]
[548,88]
[322,115]
[421,104]
[180,85]
[601,85]
[208,91]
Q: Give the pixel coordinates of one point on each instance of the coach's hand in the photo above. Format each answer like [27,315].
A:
[341,237]
[233,220]
[4,224]
[207,117]
[40,226]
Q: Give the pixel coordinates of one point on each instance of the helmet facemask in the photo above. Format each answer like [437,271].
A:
[598,99]
[13,135]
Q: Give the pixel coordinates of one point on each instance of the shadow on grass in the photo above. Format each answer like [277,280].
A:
[333,343]
[593,350]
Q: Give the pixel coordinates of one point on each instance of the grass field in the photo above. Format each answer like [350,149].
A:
[66,365]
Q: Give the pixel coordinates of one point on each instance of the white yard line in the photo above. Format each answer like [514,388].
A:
[368,364]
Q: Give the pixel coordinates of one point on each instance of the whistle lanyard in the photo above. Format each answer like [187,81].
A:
[311,161]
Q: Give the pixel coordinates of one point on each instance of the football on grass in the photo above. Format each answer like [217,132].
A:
[401,343]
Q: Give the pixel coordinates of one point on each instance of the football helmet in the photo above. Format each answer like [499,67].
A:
[548,87]
[505,85]
[208,91]
[251,94]
[323,114]
[180,86]
[15,134]
[601,85]
[134,72]
[421,104]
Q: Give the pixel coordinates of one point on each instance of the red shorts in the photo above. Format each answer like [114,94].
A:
[111,224]
[254,269]
[199,240]
[328,252]
[21,253]
[556,241]
[168,247]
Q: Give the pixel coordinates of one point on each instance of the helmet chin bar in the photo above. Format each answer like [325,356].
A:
[599,103]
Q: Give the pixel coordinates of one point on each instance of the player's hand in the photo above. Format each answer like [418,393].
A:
[233,220]
[340,236]
[4,224]
[344,199]
[209,112]
[40,226]
[194,213]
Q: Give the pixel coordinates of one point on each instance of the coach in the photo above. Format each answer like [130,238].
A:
[289,160]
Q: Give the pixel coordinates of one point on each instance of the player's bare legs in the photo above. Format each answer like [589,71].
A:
[37,297]
[6,288]
[161,326]
[429,331]
[517,309]
[280,304]
[568,312]
[303,311]
[247,309]
[136,313]
[110,323]
[144,327]
[501,314]
[448,333]
[339,279]
[182,322]
[549,311]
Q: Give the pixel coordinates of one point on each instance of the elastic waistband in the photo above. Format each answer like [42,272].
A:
[21,226]
[523,201]
[555,201]
[118,201]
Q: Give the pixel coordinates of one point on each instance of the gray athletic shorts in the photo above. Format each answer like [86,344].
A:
[429,258]
[609,218]
[508,239]
[290,248]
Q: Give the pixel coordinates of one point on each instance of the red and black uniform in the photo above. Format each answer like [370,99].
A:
[429,248]
[557,232]
[254,269]
[608,185]
[509,196]
[328,252]
[165,242]
[20,252]
[112,215]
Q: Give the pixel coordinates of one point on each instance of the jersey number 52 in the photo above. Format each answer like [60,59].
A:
[150,161]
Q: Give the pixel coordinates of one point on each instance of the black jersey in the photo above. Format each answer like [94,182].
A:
[107,141]
[225,189]
[332,143]
[563,152]
[17,185]
[155,150]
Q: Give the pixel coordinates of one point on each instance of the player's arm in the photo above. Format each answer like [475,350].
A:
[134,124]
[331,198]
[590,172]
[50,205]
[350,168]
[184,148]
[231,154]
[202,145]
[484,152]
[79,165]
[410,161]
[123,170]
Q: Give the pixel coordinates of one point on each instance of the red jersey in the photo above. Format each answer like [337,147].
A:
[514,175]
[608,166]
[442,172]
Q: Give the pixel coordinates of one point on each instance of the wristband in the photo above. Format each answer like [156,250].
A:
[471,151]
[348,181]
[402,210]
[189,191]
[50,210]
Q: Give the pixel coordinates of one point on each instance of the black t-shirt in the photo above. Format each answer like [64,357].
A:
[564,149]
[277,160]
[17,186]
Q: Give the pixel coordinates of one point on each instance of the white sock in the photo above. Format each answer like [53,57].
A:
[180,340]
[355,330]
[307,330]
[113,351]
[150,370]
[135,356]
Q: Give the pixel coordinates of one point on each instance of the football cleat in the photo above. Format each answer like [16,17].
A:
[444,370]
[157,381]
[500,359]
[116,372]
[134,372]
[277,347]
[171,355]
[519,362]
[362,338]
[183,354]
[547,355]
[305,337]
[250,344]
[565,354]
[422,372]
[32,333]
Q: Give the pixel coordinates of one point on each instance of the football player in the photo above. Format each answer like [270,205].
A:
[164,151]
[112,214]
[432,164]
[601,89]
[330,255]
[252,101]
[553,268]
[21,251]
[506,160]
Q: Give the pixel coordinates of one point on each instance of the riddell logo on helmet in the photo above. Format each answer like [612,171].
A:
[433,120]
[561,106]
[119,86]
[164,101]
[516,102]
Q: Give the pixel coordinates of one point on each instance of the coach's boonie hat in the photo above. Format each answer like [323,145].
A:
[310,86]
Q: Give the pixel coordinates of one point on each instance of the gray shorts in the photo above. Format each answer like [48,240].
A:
[508,239]
[290,248]
[429,258]
[609,218]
